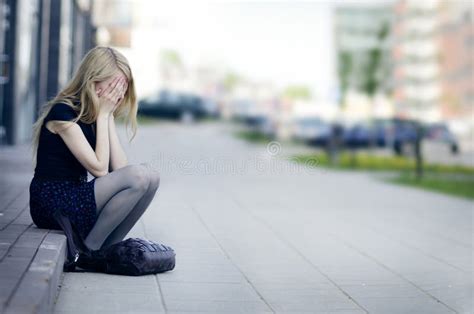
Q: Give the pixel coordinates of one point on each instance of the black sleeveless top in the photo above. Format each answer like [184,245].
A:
[54,159]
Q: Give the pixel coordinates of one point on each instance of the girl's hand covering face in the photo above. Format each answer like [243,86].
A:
[101,86]
[111,95]
[112,91]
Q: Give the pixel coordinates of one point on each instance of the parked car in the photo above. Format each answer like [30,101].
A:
[439,133]
[399,134]
[211,108]
[375,133]
[405,133]
[383,132]
[173,105]
[262,124]
[244,110]
[312,130]
[358,135]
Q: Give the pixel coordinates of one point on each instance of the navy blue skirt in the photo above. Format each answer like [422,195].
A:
[75,198]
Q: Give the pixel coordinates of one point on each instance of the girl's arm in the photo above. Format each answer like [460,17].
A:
[94,161]
[118,159]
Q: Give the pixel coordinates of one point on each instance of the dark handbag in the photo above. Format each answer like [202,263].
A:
[138,257]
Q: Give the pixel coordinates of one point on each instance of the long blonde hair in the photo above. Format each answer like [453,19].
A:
[99,64]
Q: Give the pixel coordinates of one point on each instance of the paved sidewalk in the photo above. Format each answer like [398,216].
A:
[256,234]
[31,259]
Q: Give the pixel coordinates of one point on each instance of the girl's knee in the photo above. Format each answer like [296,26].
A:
[139,178]
[153,175]
[154,179]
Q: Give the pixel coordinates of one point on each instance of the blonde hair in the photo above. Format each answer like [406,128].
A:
[99,64]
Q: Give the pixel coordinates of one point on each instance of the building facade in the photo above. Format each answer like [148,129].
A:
[41,43]
[456,39]
[433,56]
[416,60]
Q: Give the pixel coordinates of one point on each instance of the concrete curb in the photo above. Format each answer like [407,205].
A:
[37,291]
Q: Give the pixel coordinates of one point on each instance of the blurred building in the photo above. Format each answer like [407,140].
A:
[433,59]
[113,19]
[456,37]
[41,43]
[416,59]
[418,53]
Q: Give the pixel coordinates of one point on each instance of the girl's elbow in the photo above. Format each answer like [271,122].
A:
[101,173]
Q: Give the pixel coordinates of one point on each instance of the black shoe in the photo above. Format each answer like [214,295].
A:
[93,260]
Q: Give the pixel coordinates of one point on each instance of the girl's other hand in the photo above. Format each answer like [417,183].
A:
[109,97]
[122,95]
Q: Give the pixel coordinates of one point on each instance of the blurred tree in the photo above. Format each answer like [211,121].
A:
[231,80]
[373,77]
[369,76]
[171,57]
[171,66]
[418,154]
[297,92]
[345,70]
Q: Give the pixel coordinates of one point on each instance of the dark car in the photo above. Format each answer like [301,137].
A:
[368,133]
[263,125]
[405,134]
[383,132]
[173,105]
[359,135]
[312,130]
